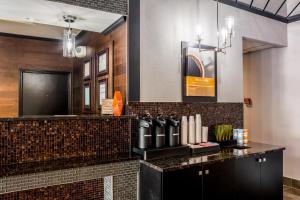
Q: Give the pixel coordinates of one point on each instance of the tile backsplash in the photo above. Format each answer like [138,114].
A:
[212,113]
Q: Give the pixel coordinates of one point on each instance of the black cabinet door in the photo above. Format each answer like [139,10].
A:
[272,176]
[150,187]
[247,178]
[184,184]
[218,180]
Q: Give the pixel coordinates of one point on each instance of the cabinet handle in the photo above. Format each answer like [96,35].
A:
[200,173]
[259,160]
[207,172]
[264,159]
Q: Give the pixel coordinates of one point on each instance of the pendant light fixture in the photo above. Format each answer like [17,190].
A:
[69,42]
[224,35]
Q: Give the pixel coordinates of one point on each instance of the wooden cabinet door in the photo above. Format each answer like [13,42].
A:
[184,184]
[247,178]
[272,176]
[218,180]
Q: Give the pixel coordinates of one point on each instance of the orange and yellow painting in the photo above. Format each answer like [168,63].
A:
[199,74]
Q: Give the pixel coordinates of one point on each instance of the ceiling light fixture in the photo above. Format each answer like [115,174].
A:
[69,42]
[224,35]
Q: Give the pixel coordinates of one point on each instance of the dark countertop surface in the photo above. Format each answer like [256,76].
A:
[64,117]
[52,165]
[180,162]
[162,164]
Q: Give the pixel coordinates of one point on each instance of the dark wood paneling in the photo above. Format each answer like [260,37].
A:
[22,53]
[117,42]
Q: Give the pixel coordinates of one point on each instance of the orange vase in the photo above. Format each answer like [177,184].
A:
[118,104]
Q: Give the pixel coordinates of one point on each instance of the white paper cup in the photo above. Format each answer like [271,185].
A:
[204,134]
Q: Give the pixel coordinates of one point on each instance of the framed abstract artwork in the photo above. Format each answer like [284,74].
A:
[102,91]
[87,97]
[199,73]
[87,69]
[103,62]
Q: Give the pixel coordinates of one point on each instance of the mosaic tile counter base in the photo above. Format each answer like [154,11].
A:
[35,140]
[77,183]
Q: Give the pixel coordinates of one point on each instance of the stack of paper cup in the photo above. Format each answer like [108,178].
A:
[198,129]
[192,133]
[204,134]
[184,131]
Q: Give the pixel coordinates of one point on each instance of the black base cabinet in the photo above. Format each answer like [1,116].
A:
[255,177]
[188,180]
[247,178]
[218,181]
[260,177]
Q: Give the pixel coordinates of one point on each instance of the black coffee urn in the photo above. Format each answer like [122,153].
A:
[145,125]
[172,133]
[159,131]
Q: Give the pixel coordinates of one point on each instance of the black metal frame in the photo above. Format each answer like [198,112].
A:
[133,75]
[250,8]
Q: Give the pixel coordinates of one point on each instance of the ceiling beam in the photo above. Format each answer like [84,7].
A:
[280,7]
[251,3]
[244,6]
[266,5]
[293,9]
[293,18]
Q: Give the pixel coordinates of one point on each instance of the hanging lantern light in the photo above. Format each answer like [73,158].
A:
[224,35]
[69,42]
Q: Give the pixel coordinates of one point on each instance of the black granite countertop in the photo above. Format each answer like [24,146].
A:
[52,165]
[180,162]
[62,117]
[163,164]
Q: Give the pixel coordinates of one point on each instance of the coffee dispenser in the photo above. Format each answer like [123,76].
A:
[159,131]
[172,133]
[145,132]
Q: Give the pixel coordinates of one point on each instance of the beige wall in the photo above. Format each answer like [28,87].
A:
[272,81]
[164,24]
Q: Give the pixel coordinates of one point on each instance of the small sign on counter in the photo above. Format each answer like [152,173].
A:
[107,107]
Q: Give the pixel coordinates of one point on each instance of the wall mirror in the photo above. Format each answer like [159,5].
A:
[65,60]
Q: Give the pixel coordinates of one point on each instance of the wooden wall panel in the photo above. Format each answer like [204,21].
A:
[96,42]
[22,53]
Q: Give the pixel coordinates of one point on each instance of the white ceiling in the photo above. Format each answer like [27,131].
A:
[51,13]
[34,30]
